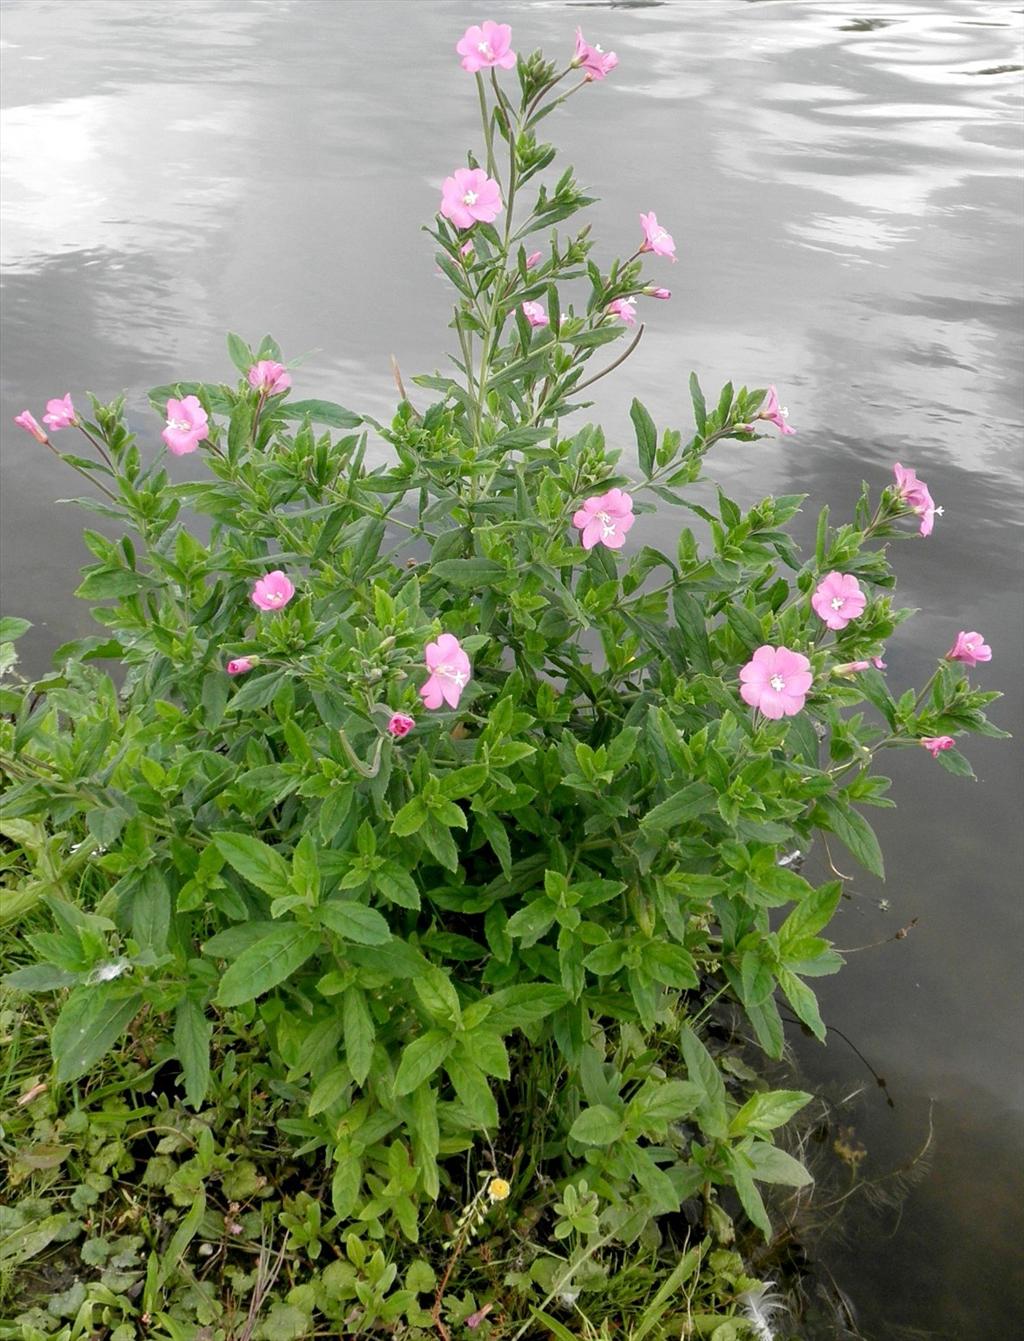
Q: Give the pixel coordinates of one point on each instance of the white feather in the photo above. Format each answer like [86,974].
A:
[759,1308]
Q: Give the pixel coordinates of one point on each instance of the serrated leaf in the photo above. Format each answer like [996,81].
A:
[255,861]
[420,1059]
[355,921]
[192,1033]
[89,1024]
[277,955]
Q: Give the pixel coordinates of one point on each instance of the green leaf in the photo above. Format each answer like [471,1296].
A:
[239,352]
[420,1059]
[254,861]
[851,828]
[767,1024]
[671,965]
[692,623]
[750,1198]
[701,1068]
[89,1024]
[810,915]
[320,412]
[700,409]
[359,1034]
[470,1084]
[474,572]
[765,1112]
[688,803]
[192,1033]
[803,1001]
[355,921]
[646,437]
[519,1007]
[273,958]
[772,1165]
[151,911]
[396,885]
[410,819]
[12,628]
[599,1125]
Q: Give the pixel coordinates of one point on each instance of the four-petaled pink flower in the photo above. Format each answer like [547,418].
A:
[656,239]
[915,494]
[838,599]
[484,45]
[401,724]
[240,665]
[776,680]
[31,424]
[186,425]
[269,377]
[970,648]
[60,413]
[595,62]
[775,413]
[936,744]
[273,591]
[625,308]
[469,195]
[533,258]
[535,314]
[605,520]
[450,672]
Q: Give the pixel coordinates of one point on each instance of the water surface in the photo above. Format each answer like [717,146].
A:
[843,181]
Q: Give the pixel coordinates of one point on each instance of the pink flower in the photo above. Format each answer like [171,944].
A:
[30,424]
[535,314]
[186,425]
[915,494]
[838,599]
[240,665]
[970,648]
[450,672]
[468,195]
[655,237]
[401,724]
[605,519]
[878,663]
[775,413]
[485,45]
[269,377]
[936,744]
[273,591]
[533,258]
[776,680]
[663,294]
[60,413]
[595,62]
[624,308]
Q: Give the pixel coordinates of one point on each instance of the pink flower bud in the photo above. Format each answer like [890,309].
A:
[936,744]
[663,294]
[30,424]
[532,259]
[240,665]
[401,724]
[535,314]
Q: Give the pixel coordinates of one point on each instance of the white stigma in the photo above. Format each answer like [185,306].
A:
[182,425]
[837,602]
[940,512]
[485,49]
[456,676]
[469,198]
[777,683]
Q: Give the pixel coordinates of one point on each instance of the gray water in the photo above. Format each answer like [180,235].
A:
[843,180]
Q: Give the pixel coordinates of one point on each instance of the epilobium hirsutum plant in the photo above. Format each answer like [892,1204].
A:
[439,778]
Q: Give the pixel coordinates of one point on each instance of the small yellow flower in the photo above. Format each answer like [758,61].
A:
[498,1189]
